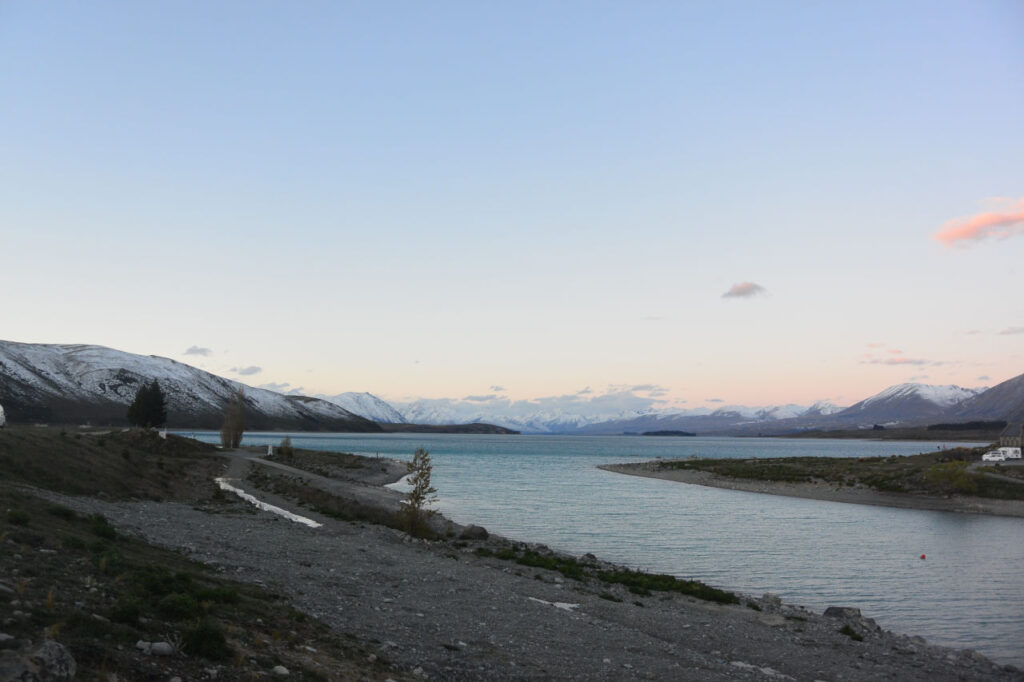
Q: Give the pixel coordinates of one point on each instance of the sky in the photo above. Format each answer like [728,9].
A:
[679,204]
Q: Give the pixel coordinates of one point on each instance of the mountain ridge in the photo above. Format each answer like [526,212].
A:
[82,383]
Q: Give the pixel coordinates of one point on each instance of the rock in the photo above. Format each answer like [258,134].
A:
[772,600]
[175,679]
[280,671]
[474,532]
[161,649]
[143,646]
[844,612]
[6,640]
[50,662]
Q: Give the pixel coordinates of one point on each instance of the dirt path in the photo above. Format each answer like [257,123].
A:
[355,487]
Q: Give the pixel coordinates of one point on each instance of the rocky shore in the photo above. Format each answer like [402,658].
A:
[824,491]
[453,610]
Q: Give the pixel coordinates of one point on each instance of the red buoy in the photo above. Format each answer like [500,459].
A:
[922,556]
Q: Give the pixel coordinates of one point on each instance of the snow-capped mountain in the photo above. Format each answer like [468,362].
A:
[366,405]
[79,383]
[822,408]
[522,415]
[910,401]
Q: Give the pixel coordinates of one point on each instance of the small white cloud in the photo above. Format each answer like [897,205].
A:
[497,389]
[745,290]
[1012,330]
[714,400]
[246,371]
[481,398]
[196,350]
[276,387]
[898,361]
[984,377]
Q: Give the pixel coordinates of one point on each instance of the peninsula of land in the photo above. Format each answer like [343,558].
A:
[936,481]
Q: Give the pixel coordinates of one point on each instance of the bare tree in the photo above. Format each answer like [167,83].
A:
[234,420]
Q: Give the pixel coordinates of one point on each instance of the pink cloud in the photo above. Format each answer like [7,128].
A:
[745,290]
[894,351]
[1000,225]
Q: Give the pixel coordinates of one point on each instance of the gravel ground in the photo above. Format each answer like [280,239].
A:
[441,611]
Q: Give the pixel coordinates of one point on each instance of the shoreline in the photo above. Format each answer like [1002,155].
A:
[467,605]
[824,491]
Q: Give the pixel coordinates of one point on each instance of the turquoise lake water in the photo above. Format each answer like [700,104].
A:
[968,593]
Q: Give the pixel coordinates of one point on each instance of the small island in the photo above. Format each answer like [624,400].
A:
[667,433]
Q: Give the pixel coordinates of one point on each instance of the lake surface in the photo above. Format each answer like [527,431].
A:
[968,593]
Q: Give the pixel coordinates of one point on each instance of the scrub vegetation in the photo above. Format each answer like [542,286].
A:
[946,472]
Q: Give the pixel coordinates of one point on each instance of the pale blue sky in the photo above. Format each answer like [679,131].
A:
[423,199]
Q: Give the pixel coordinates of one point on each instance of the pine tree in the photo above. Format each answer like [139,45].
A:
[157,405]
[149,409]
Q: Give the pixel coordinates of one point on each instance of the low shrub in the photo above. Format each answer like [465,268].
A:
[206,639]
[17,517]
[851,633]
[178,606]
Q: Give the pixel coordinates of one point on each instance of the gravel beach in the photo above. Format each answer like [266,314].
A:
[440,610]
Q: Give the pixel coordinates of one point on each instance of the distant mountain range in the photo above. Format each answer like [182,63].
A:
[80,383]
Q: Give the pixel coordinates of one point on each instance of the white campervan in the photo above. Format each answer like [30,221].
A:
[1010,453]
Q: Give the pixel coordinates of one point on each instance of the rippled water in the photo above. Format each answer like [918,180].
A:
[967,593]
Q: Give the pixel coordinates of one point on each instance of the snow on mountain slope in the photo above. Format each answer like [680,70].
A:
[909,401]
[95,380]
[822,408]
[943,396]
[366,405]
[531,417]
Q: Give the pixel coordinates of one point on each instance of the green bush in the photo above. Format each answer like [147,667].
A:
[102,528]
[206,639]
[851,633]
[17,517]
[126,611]
[61,512]
[178,606]
[951,477]
[219,595]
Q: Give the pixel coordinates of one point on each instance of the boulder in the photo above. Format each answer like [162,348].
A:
[474,533]
[51,662]
[844,612]
[161,649]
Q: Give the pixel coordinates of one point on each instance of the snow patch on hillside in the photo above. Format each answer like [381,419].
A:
[366,405]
